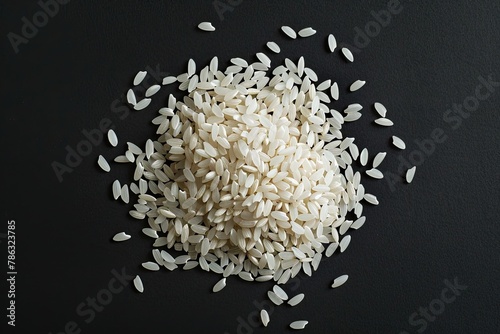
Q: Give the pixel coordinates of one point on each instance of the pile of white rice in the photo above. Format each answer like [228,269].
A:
[250,173]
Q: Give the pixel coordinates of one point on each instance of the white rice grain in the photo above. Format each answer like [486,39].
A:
[274,298]
[191,68]
[384,121]
[131,97]
[124,193]
[363,157]
[264,59]
[150,233]
[136,214]
[206,26]
[344,243]
[289,32]
[116,189]
[299,324]
[273,47]
[142,104]
[378,159]
[410,174]
[239,62]
[339,281]
[112,138]
[398,142]
[372,199]
[152,90]
[121,159]
[167,257]
[134,148]
[296,299]
[380,109]
[264,317]
[246,276]
[169,80]
[280,292]
[353,107]
[375,173]
[331,249]
[332,43]
[221,284]
[307,32]
[101,161]
[122,236]
[149,148]
[138,284]
[151,266]
[348,54]
[357,85]
[358,223]
[334,91]
[139,77]
[190,265]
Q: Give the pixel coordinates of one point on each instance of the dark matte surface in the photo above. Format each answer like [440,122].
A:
[444,226]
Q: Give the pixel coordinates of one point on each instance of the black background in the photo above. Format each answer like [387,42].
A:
[444,225]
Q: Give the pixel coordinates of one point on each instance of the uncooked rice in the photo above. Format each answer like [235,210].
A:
[306,32]
[380,108]
[142,104]
[274,298]
[125,194]
[116,189]
[363,157]
[264,317]
[410,174]
[378,159]
[384,121]
[348,54]
[358,223]
[238,169]
[250,174]
[353,107]
[280,292]
[206,26]
[151,266]
[121,159]
[122,236]
[331,249]
[190,265]
[112,138]
[169,80]
[357,85]
[139,77]
[375,173]
[152,90]
[101,161]
[372,199]
[289,32]
[344,243]
[273,47]
[339,281]
[221,284]
[332,43]
[295,300]
[131,97]
[150,232]
[398,142]
[299,324]
[138,284]
[334,90]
